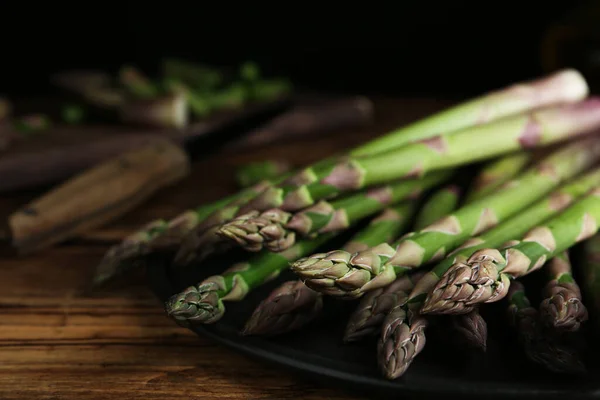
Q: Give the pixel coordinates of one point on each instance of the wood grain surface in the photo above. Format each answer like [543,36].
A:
[58,340]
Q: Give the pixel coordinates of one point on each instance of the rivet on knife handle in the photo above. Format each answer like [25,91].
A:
[97,196]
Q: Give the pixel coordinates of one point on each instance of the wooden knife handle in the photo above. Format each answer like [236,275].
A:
[97,196]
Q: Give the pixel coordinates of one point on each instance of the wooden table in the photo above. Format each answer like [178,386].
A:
[58,340]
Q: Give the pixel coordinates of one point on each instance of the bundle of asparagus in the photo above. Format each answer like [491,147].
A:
[535,194]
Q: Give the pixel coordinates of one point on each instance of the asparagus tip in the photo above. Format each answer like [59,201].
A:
[254,231]
[563,310]
[196,304]
[464,286]
[473,329]
[287,308]
[400,344]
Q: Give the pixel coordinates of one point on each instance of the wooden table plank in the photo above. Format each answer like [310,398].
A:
[58,340]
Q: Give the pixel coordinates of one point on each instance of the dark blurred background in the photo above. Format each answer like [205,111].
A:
[404,47]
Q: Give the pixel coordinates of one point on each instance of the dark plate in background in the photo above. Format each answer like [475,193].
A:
[441,369]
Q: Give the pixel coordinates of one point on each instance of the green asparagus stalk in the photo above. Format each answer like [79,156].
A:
[404,328]
[486,276]
[373,307]
[539,347]
[382,264]
[496,173]
[562,308]
[137,83]
[203,303]
[590,272]
[534,129]
[276,230]
[161,235]
[439,204]
[565,86]
[250,174]
[293,304]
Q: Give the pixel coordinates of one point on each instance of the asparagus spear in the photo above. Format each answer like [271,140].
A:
[590,272]
[276,230]
[440,204]
[137,83]
[485,277]
[368,316]
[496,173]
[381,265]
[203,303]
[404,328]
[389,224]
[255,172]
[293,304]
[562,308]
[539,347]
[161,235]
[564,86]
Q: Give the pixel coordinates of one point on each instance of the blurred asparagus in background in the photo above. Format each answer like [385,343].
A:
[562,308]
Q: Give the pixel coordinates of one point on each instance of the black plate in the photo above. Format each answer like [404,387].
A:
[441,369]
